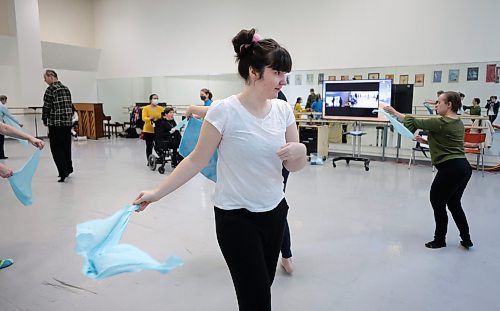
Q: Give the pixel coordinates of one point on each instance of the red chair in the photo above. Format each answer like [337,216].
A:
[474,144]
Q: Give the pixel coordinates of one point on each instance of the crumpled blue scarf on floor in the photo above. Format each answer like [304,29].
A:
[189,141]
[21,180]
[97,241]
[398,126]
[11,122]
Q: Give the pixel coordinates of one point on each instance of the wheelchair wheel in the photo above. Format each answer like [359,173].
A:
[161,170]
[152,162]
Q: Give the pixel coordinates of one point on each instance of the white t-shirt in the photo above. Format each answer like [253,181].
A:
[248,168]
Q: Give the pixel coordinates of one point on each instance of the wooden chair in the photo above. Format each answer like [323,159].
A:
[474,144]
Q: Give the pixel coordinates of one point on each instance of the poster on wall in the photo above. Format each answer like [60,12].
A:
[436,78]
[490,72]
[403,79]
[332,78]
[390,77]
[419,79]
[309,78]
[344,77]
[453,75]
[298,79]
[357,77]
[321,78]
[472,73]
[373,76]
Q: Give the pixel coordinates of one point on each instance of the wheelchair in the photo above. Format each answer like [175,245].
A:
[164,151]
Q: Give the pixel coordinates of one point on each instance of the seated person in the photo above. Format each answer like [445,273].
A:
[164,131]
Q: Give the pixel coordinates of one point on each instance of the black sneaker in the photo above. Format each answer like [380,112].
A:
[435,244]
[466,244]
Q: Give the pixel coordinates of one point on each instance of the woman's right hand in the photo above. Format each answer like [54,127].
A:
[144,199]
[390,110]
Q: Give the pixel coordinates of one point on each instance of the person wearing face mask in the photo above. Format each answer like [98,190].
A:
[206,97]
[150,114]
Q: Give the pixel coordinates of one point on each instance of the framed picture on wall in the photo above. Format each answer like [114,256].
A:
[403,79]
[332,78]
[472,73]
[453,75]
[357,77]
[419,80]
[390,77]
[344,77]
[373,76]
[298,79]
[436,77]
[309,78]
[490,72]
[321,78]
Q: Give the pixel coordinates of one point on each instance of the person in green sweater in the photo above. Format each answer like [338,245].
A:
[446,144]
[475,109]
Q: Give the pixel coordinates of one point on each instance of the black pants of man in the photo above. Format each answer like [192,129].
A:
[60,146]
[2,140]
[447,190]
[492,118]
[250,243]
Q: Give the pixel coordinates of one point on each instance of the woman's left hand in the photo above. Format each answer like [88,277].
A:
[291,151]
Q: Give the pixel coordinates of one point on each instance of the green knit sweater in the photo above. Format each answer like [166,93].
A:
[446,136]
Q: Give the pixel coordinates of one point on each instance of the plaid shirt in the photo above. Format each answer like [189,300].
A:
[57,105]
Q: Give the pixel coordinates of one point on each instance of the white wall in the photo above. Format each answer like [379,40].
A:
[7,20]
[157,38]
[67,22]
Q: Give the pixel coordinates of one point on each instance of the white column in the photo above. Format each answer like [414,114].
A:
[29,49]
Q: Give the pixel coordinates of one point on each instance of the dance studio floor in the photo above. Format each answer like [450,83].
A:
[357,238]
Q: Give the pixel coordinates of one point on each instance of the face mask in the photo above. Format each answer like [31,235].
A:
[154,101]
[203,98]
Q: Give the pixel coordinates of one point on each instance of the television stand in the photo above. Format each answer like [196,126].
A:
[356,141]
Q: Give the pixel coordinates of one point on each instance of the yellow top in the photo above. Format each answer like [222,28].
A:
[148,112]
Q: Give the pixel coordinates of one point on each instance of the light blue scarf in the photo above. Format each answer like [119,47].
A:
[188,143]
[97,241]
[21,180]
[398,126]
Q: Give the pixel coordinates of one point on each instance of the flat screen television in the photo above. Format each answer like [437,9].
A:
[356,99]
[402,97]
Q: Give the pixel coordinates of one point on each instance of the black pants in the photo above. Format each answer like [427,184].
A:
[447,190]
[2,140]
[250,243]
[492,118]
[60,146]
[149,138]
[286,245]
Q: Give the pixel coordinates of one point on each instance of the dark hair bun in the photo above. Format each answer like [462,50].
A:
[243,37]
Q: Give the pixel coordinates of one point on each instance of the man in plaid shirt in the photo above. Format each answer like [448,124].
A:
[57,113]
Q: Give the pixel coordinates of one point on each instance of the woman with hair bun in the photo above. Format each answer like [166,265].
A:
[446,144]
[255,136]
[206,97]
